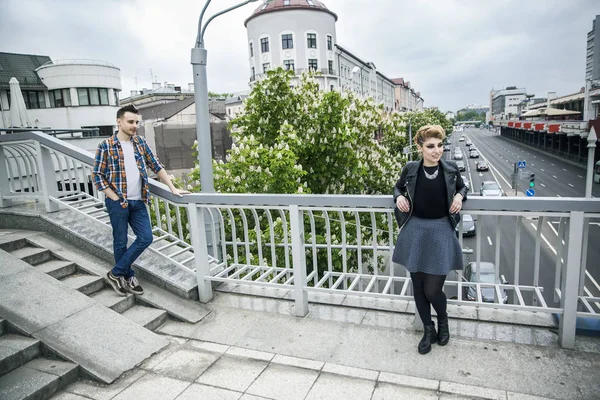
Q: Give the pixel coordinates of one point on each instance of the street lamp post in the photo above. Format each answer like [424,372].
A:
[591,139]
[199,56]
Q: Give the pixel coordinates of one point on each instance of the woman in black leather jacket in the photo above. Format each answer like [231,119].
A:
[428,197]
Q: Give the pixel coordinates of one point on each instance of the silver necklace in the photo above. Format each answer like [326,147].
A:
[431,176]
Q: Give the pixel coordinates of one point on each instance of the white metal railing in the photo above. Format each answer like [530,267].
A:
[334,244]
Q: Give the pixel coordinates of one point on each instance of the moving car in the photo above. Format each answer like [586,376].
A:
[487,274]
[462,139]
[490,189]
[482,166]
[460,164]
[474,154]
[468,225]
[458,155]
[468,143]
[447,147]
[466,181]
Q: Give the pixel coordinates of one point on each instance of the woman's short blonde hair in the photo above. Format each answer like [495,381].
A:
[429,132]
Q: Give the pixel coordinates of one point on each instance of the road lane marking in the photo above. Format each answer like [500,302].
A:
[564,170]
[554,176]
[489,241]
[541,170]
[571,185]
[558,195]
[542,185]
[552,164]
[580,176]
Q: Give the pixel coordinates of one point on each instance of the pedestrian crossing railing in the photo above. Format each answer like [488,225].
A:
[336,245]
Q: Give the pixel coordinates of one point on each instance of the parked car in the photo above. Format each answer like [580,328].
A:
[474,154]
[487,274]
[490,189]
[468,225]
[460,164]
[482,166]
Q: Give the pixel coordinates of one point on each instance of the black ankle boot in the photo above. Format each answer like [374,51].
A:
[429,337]
[443,335]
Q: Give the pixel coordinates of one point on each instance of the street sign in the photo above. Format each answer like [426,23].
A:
[523,174]
[521,164]
[530,192]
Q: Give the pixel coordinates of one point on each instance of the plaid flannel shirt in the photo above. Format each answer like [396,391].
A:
[109,167]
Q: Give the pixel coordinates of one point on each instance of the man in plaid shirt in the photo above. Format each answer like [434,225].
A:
[120,171]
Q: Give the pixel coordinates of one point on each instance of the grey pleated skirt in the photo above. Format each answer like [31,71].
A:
[428,245]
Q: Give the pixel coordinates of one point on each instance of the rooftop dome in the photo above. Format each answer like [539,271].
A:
[282,5]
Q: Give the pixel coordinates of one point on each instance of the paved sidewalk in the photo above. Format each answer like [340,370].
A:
[252,348]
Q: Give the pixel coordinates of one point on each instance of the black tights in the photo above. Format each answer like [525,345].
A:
[428,291]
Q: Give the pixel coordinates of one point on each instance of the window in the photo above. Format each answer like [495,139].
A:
[310,3]
[33,99]
[330,64]
[329,42]
[251,50]
[116,97]
[312,40]
[92,96]
[287,42]
[266,67]
[286,2]
[312,64]
[60,98]
[253,73]
[264,45]
[288,64]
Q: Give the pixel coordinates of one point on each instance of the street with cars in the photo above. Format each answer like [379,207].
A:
[489,174]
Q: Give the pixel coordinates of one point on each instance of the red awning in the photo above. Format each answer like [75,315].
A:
[518,124]
[527,125]
[539,127]
[511,124]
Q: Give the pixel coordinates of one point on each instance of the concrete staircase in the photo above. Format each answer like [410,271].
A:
[77,278]
[28,370]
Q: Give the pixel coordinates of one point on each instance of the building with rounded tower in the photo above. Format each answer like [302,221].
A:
[300,35]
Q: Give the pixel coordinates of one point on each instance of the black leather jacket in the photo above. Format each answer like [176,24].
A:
[407,183]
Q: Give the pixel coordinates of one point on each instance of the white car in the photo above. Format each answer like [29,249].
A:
[466,181]
[490,188]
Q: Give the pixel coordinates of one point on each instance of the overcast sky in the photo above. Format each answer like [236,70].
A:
[452,51]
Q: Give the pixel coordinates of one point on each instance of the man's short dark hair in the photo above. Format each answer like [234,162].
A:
[130,108]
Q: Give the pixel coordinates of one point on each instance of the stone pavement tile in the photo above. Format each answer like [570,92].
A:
[336,313]
[386,319]
[223,319]
[68,396]
[233,373]
[351,371]
[587,344]
[99,391]
[197,392]
[244,302]
[298,362]
[520,396]
[585,369]
[208,346]
[153,387]
[411,381]
[252,397]
[336,387]
[293,336]
[12,265]
[258,291]
[474,391]
[281,382]
[386,391]
[521,317]
[248,353]
[185,364]
[458,311]
[175,344]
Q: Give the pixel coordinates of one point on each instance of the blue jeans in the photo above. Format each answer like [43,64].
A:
[135,215]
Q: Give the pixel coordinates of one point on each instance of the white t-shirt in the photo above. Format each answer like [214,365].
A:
[132,173]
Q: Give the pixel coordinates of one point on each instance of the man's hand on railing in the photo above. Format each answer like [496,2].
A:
[179,192]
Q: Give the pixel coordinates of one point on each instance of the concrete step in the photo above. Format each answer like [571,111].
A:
[110,299]
[16,351]
[38,379]
[32,255]
[2,326]
[149,318]
[84,283]
[58,269]
[14,245]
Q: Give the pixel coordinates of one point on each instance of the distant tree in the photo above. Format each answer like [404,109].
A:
[214,95]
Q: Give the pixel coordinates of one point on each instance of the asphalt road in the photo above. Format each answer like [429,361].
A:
[553,178]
